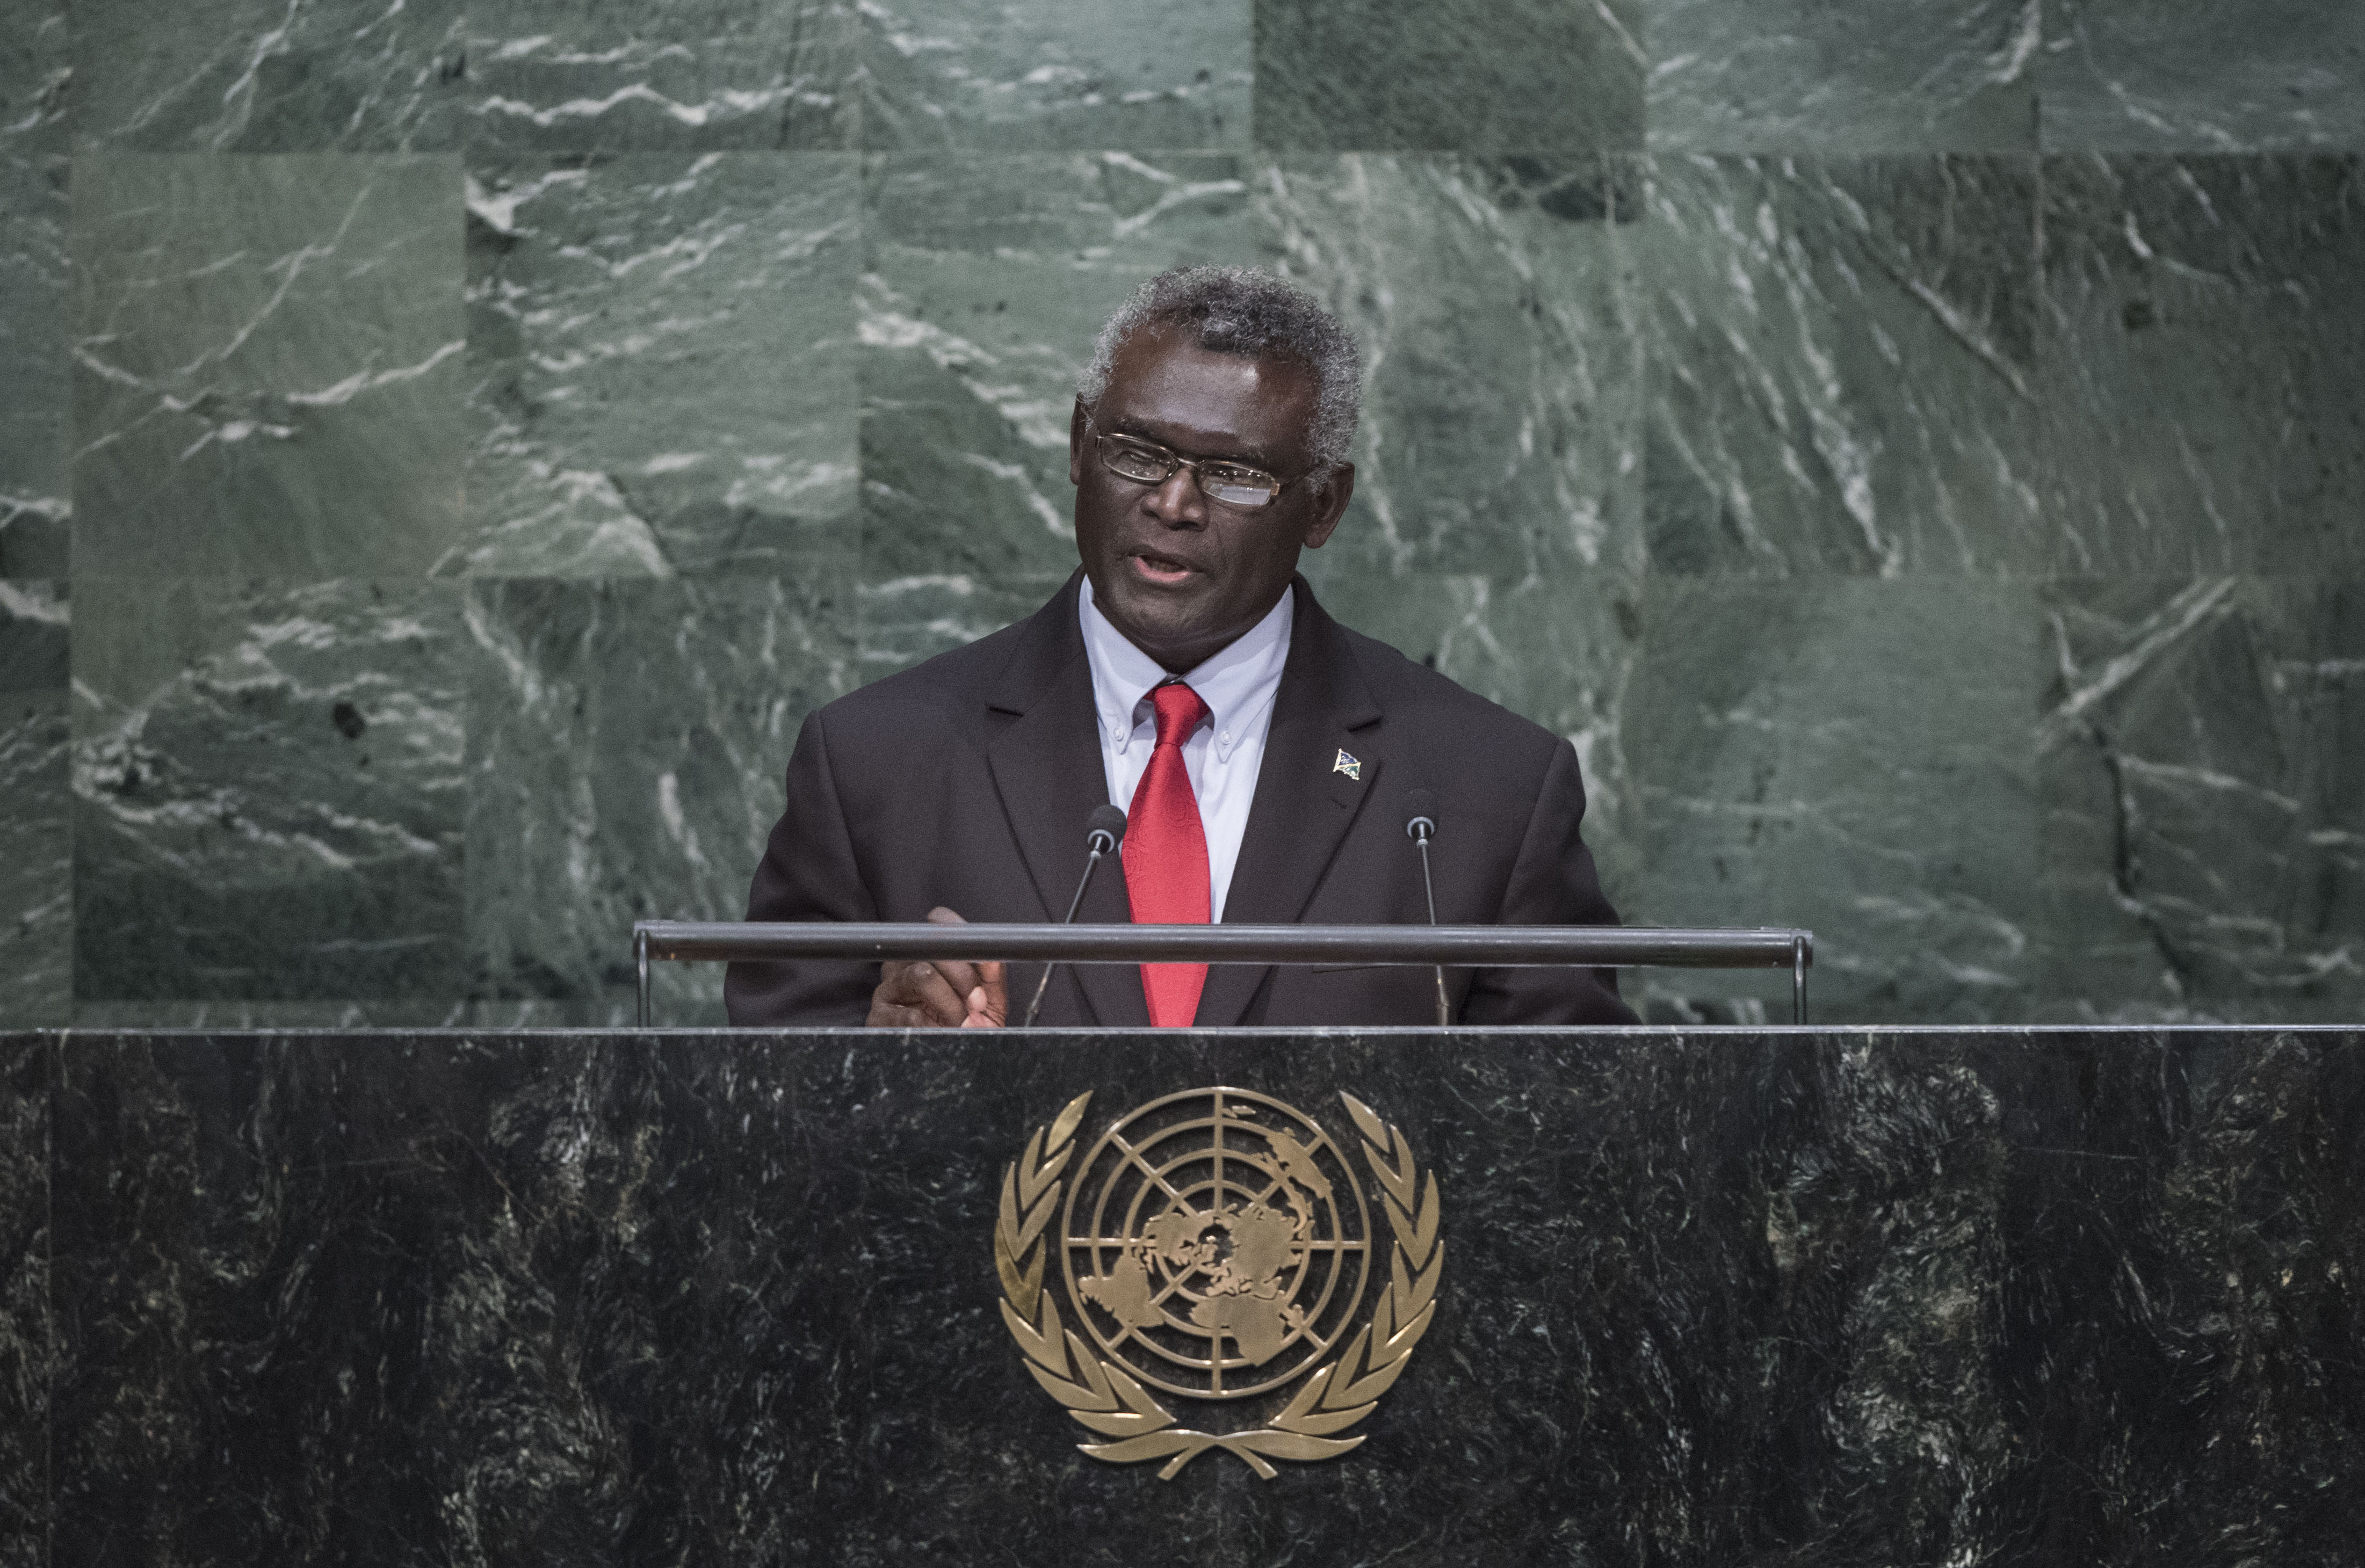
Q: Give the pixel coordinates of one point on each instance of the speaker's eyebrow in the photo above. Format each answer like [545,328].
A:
[1243,454]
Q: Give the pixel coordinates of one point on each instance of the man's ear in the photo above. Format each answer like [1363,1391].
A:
[1330,499]
[1076,444]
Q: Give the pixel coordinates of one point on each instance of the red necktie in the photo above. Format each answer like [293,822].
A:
[1165,855]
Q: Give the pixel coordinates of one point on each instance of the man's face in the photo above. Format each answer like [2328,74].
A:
[1183,576]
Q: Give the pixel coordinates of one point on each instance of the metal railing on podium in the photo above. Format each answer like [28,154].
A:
[1454,947]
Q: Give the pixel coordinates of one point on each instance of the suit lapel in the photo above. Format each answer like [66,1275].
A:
[1046,770]
[1304,802]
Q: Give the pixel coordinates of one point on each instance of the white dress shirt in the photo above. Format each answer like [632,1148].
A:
[1223,754]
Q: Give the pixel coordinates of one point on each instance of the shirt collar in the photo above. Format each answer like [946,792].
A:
[1238,683]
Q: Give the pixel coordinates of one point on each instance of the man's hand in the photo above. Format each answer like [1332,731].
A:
[932,994]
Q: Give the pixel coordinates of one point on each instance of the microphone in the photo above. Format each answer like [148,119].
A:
[1420,826]
[1104,830]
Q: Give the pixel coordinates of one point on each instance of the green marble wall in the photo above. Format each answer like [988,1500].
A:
[1912,448]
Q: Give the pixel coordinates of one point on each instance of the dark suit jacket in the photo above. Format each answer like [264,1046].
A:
[966,782]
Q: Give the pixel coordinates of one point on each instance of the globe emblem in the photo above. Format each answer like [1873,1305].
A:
[1216,1243]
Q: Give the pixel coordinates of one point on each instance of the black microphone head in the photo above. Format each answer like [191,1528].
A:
[1420,814]
[1106,821]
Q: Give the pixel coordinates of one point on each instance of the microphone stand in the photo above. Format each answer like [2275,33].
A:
[1107,825]
[1420,829]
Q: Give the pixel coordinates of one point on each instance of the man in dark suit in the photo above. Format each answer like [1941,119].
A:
[1185,672]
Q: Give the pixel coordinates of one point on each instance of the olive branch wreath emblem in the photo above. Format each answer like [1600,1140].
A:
[1110,1401]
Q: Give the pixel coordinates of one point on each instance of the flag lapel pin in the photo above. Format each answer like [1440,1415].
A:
[1349,765]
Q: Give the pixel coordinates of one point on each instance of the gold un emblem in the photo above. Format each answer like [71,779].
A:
[1217,1248]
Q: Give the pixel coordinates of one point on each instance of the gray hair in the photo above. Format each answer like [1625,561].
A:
[1252,313]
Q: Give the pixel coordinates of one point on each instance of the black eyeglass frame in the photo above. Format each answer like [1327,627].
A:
[1198,466]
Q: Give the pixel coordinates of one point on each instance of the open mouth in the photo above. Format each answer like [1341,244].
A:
[1156,568]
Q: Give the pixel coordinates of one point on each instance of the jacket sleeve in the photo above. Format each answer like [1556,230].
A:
[1552,883]
[809,872]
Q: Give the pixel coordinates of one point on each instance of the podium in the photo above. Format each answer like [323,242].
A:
[1710,1295]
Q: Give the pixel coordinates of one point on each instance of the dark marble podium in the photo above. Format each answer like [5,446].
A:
[1713,1296]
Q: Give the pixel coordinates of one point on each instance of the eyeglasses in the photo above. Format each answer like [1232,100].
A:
[1147,463]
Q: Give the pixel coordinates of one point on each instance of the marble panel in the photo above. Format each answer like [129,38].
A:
[1460,75]
[2204,372]
[1843,373]
[2203,777]
[34,516]
[25,1334]
[35,809]
[267,75]
[1830,1298]
[1803,77]
[234,1013]
[1850,757]
[268,790]
[985,282]
[267,365]
[660,363]
[675,989]
[2126,77]
[1493,300]
[36,68]
[698,75]
[905,621]
[443,1129]
[1022,75]
[35,72]
[626,746]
